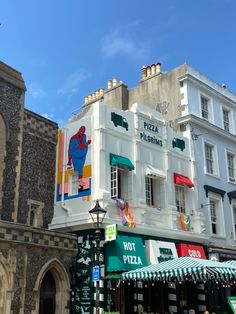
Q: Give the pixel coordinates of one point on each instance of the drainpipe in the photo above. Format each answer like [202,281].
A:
[68,210]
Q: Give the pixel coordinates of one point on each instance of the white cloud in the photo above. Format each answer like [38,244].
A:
[49,116]
[117,43]
[35,91]
[72,82]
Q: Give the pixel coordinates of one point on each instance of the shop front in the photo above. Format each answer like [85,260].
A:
[187,273]
[123,254]
[217,294]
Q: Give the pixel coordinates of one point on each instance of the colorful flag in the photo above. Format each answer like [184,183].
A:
[185,222]
[128,215]
[122,216]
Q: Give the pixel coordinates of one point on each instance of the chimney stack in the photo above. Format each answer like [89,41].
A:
[114,82]
[109,84]
[148,71]
[101,92]
[158,68]
[151,70]
[144,72]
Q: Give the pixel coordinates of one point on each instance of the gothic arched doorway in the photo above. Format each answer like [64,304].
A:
[52,287]
[47,304]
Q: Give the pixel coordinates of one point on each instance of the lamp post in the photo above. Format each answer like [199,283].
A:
[97,214]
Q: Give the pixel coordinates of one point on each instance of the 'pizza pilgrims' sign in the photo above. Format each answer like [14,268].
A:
[149,132]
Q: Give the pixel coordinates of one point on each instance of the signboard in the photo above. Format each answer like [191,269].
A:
[83,291]
[150,132]
[195,251]
[232,303]
[96,273]
[159,251]
[126,253]
[110,232]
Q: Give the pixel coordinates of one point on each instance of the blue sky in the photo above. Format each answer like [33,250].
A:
[66,49]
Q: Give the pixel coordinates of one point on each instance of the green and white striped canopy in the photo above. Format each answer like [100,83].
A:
[184,268]
[231,262]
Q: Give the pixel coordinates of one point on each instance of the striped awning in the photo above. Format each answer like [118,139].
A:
[184,268]
[231,262]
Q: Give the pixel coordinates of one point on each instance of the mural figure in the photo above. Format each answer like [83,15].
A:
[77,152]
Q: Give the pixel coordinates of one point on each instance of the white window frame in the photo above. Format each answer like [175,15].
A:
[73,187]
[180,198]
[227,121]
[114,182]
[119,183]
[211,159]
[234,219]
[231,166]
[149,186]
[213,215]
[218,218]
[210,116]
[205,112]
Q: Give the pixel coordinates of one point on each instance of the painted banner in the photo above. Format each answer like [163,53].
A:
[74,161]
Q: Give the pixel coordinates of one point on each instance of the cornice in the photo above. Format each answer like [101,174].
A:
[231,97]
[199,122]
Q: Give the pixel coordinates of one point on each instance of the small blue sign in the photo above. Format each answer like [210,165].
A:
[96,273]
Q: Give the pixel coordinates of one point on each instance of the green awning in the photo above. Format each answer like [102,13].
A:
[124,254]
[185,268]
[120,161]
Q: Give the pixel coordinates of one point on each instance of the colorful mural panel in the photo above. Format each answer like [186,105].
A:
[74,163]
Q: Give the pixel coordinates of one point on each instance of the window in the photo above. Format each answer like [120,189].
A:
[149,191]
[35,216]
[73,183]
[209,158]
[119,183]
[231,166]
[213,217]
[114,182]
[204,107]
[154,190]
[216,217]
[234,221]
[226,114]
[180,198]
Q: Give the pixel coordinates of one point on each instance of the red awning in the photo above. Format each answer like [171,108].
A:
[196,251]
[180,179]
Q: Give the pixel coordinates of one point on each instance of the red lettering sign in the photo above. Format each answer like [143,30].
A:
[195,251]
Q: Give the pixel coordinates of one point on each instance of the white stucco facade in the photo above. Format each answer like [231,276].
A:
[140,136]
[214,135]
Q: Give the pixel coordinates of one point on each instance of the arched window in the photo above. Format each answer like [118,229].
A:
[47,303]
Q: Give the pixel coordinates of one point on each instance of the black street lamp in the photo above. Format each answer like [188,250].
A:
[97,214]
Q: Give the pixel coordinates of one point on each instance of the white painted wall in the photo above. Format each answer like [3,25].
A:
[107,138]
[219,97]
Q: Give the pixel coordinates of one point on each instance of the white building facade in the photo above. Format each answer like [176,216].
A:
[208,120]
[143,174]
[145,177]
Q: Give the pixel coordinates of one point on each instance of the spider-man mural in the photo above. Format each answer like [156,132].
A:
[78,148]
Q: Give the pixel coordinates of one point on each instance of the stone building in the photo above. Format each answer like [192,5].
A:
[34,262]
